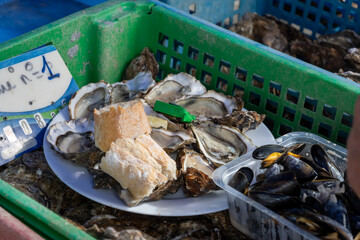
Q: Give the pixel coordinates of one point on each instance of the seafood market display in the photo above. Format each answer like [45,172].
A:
[302,184]
[116,134]
[338,52]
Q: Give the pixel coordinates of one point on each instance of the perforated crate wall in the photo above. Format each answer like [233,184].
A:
[312,17]
[289,106]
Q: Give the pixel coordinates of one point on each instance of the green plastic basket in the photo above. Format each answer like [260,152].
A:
[293,95]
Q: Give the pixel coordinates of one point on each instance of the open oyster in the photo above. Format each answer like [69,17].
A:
[210,105]
[85,100]
[97,95]
[175,87]
[219,143]
[126,90]
[197,173]
[171,141]
[75,141]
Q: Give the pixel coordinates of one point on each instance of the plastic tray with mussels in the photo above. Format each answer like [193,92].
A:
[254,219]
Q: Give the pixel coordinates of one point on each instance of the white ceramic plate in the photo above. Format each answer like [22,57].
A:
[80,180]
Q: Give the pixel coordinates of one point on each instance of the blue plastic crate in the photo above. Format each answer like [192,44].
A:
[312,17]
[20,16]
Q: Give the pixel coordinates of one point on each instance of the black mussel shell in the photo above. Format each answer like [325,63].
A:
[263,152]
[303,171]
[242,179]
[287,187]
[297,148]
[322,173]
[283,176]
[274,169]
[320,156]
[274,201]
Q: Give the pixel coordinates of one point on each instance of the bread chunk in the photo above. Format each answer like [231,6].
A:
[168,165]
[122,120]
[135,175]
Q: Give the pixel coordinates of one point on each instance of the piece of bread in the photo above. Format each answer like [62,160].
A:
[168,165]
[135,175]
[121,120]
[138,151]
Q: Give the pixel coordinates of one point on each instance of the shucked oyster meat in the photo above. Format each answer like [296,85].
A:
[219,143]
[85,100]
[97,95]
[175,87]
[75,141]
[130,89]
[171,141]
[197,173]
[210,105]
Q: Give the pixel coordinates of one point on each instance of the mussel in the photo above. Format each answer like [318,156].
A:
[242,179]
[303,171]
[274,201]
[263,152]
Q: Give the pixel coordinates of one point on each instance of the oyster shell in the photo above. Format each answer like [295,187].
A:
[127,90]
[210,105]
[219,143]
[171,141]
[75,141]
[175,87]
[243,120]
[197,173]
[97,95]
[87,98]
[145,62]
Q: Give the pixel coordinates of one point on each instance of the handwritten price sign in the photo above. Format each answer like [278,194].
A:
[33,88]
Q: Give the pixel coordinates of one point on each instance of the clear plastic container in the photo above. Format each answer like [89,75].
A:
[252,218]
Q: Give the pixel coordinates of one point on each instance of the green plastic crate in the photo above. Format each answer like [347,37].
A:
[113,33]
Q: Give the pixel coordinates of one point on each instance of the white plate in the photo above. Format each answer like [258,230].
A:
[80,180]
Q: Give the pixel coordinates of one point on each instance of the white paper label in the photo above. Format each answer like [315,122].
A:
[34,83]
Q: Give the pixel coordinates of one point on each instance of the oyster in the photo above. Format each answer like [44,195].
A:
[127,90]
[243,120]
[145,62]
[197,173]
[97,95]
[210,105]
[353,58]
[219,143]
[175,87]
[85,100]
[75,141]
[171,141]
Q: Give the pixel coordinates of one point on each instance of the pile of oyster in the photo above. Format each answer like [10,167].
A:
[303,184]
[338,52]
[213,139]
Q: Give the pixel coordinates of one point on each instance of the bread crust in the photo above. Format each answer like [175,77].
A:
[122,120]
